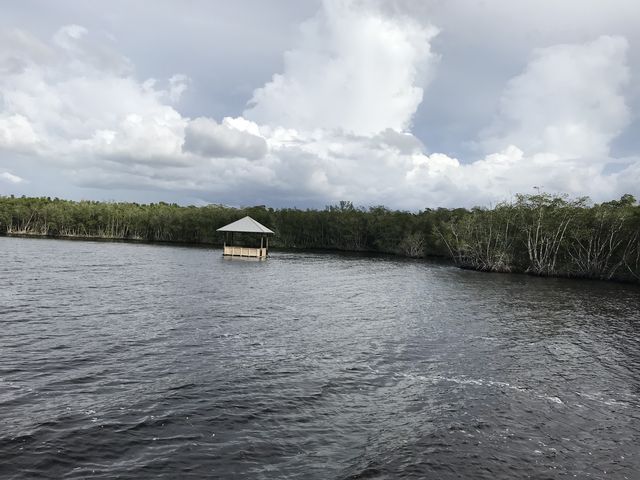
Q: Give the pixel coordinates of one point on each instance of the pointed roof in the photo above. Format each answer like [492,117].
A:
[245,225]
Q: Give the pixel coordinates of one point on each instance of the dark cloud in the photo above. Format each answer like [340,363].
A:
[208,138]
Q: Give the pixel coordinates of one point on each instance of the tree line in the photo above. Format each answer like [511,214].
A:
[542,234]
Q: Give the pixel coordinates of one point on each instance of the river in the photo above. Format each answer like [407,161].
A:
[150,361]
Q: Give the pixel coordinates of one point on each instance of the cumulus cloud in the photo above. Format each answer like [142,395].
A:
[177,86]
[335,124]
[232,138]
[16,133]
[356,69]
[569,100]
[8,177]
[553,128]
[73,102]
[67,37]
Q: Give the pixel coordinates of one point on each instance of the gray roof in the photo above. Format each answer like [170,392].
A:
[245,225]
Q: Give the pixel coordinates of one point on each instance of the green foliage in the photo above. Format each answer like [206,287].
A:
[483,239]
[337,227]
[539,234]
[549,235]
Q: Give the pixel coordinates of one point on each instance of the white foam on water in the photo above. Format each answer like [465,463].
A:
[554,399]
[593,396]
[601,398]
[480,382]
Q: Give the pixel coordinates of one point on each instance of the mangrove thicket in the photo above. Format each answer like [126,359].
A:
[542,234]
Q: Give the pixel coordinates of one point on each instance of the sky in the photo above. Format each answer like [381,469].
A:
[288,103]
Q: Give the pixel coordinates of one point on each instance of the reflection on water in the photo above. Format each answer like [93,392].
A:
[154,361]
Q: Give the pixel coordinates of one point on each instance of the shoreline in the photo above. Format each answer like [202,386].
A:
[429,258]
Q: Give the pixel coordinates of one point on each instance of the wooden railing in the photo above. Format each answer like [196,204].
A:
[245,252]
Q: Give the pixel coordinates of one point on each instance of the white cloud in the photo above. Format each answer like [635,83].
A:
[334,125]
[16,133]
[6,176]
[554,126]
[154,135]
[80,104]
[356,69]
[67,37]
[177,86]
[233,138]
[569,101]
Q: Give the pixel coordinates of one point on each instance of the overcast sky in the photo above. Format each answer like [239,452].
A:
[408,104]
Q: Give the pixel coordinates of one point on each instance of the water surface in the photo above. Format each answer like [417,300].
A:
[141,361]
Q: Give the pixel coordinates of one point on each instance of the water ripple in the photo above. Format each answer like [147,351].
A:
[130,361]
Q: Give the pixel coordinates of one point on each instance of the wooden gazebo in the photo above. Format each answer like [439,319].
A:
[246,225]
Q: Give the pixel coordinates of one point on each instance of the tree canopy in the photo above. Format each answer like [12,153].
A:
[539,234]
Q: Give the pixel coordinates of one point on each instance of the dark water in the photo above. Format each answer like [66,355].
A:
[138,361]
